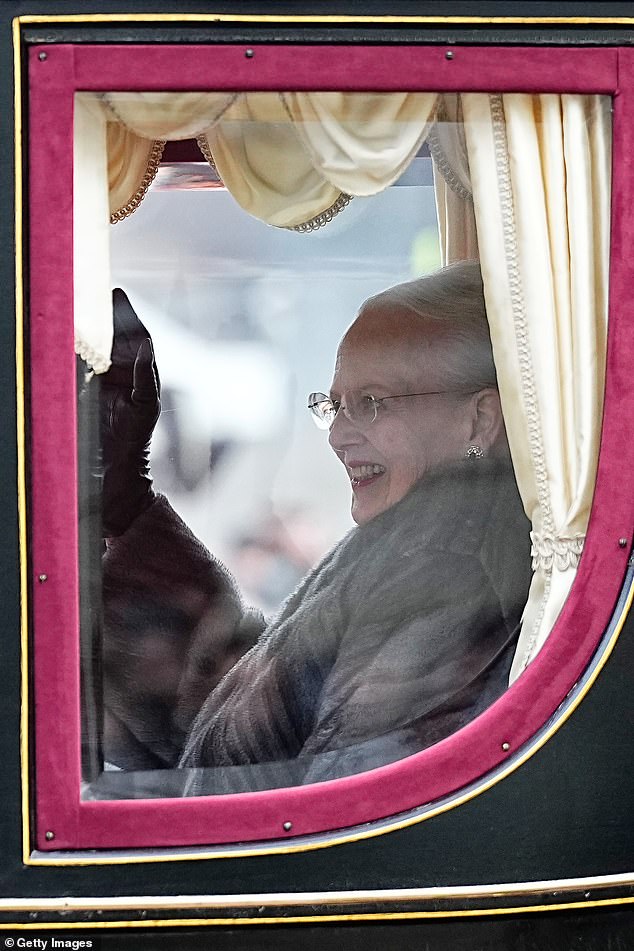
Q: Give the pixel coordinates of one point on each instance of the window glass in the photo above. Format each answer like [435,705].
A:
[303,550]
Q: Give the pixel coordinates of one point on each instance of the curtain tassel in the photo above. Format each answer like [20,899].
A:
[550,551]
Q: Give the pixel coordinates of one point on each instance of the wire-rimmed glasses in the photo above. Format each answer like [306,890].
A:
[360,408]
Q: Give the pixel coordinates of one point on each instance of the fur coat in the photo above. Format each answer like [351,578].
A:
[402,634]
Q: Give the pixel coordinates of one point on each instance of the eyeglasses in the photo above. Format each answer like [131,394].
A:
[361,409]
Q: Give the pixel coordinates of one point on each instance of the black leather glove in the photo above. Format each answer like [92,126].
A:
[129,407]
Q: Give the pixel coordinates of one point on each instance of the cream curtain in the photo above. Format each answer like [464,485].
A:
[452,182]
[287,158]
[91,237]
[262,162]
[540,175]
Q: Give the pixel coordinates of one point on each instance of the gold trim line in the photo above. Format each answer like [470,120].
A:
[21,436]
[292,899]
[317,919]
[203,853]
[321,18]
[152,166]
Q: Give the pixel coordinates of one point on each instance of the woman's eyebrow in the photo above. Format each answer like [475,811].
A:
[370,389]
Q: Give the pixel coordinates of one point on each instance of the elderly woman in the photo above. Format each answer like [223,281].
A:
[406,629]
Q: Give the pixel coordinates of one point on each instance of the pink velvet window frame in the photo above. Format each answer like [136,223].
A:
[514,719]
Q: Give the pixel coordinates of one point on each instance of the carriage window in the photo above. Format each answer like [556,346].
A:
[334,483]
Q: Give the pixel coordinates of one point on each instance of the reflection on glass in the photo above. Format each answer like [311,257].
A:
[364,593]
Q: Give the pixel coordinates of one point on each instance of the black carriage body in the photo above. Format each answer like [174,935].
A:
[542,859]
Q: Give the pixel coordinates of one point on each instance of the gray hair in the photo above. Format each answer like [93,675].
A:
[452,299]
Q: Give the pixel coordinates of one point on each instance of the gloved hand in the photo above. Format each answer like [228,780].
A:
[129,407]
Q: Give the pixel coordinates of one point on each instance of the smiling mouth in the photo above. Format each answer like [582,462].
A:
[364,474]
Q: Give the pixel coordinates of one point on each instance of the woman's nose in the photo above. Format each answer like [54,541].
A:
[343,432]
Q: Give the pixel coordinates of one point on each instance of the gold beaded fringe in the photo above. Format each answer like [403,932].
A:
[150,173]
[324,217]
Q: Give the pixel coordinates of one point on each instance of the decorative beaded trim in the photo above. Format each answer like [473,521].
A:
[554,547]
[97,361]
[562,552]
[443,164]
[210,123]
[201,139]
[323,218]
[153,162]
[203,145]
[306,226]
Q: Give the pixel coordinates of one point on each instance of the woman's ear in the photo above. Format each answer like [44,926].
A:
[487,429]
